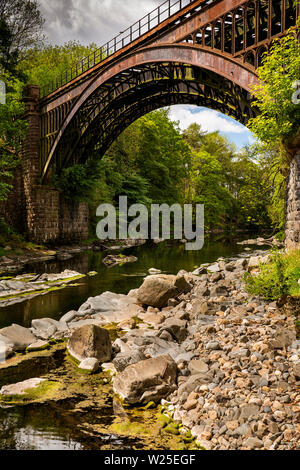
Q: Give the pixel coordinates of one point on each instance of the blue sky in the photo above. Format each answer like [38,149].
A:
[99,21]
[211,121]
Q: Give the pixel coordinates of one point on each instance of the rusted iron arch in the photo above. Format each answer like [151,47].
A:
[232,99]
[176,89]
[249,58]
[179,53]
[124,118]
[107,122]
[230,102]
[260,53]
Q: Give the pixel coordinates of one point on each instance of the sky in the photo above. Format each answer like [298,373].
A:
[99,21]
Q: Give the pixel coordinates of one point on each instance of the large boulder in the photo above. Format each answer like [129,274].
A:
[6,349]
[19,338]
[156,291]
[112,308]
[90,341]
[146,381]
[43,328]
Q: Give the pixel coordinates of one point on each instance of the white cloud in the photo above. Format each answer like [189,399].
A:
[91,20]
[209,120]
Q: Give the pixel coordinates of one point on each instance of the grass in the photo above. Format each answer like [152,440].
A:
[279,277]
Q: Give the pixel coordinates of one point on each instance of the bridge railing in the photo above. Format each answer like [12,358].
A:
[138,29]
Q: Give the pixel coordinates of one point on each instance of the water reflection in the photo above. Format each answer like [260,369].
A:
[168,257]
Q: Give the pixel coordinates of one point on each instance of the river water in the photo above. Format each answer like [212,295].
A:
[169,257]
[47,427]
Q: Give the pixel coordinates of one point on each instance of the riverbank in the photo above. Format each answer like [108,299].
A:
[232,358]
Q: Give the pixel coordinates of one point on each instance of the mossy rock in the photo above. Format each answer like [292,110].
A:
[164,420]
[45,391]
[37,349]
[129,428]
[172,428]
[150,405]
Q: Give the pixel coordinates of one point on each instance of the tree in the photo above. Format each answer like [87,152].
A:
[20,27]
[279,118]
[251,192]
[11,134]
[44,64]
[208,180]
[162,156]
[193,135]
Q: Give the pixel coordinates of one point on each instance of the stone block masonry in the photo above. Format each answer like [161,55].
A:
[292,227]
[53,219]
[38,210]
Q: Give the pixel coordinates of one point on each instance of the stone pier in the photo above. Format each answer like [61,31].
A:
[38,210]
[292,225]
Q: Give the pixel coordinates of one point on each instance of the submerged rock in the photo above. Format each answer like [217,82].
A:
[114,260]
[146,381]
[153,271]
[90,341]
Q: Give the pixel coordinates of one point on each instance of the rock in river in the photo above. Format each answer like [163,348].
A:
[114,260]
[146,381]
[90,341]
[157,290]
[19,337]
[21,387]
[89,365]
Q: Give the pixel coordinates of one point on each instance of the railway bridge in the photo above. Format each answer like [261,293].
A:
[201,52]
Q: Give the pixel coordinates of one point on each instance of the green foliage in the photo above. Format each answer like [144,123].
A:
[77,181]
[207,180]
[45,63]
[12,131]
[20,27]
[229,183]
[161,156]
[279,118]
[279,277]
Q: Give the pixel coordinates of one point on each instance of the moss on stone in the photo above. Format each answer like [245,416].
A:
[45,391]
[43,348]
[150,405]
[62,284]
[172,428]
[129,428]
[164,420]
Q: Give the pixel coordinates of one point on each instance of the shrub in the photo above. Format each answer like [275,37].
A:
[279,277]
